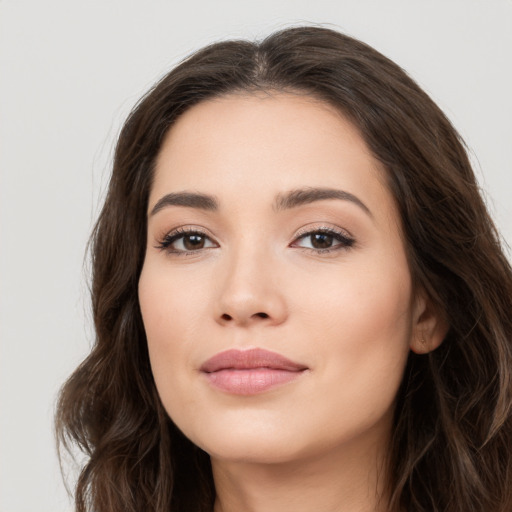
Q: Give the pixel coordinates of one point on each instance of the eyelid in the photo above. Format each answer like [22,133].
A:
[315,228]
[183,229]
[165,240]
[345,239]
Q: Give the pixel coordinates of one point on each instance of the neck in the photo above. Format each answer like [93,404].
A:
[338,481]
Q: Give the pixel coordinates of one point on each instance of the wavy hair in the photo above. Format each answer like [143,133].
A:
[451,449]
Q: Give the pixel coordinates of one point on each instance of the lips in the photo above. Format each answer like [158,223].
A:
[248,372]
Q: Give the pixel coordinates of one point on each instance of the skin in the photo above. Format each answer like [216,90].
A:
[350,314]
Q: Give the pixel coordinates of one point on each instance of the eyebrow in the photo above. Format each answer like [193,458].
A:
[286,201]
[188,199]
[303,196]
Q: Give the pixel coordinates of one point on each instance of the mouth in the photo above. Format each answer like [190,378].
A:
[249,372]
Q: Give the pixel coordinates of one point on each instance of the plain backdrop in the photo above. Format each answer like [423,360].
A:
[70,72]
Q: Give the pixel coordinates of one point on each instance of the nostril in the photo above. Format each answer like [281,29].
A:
[228,318]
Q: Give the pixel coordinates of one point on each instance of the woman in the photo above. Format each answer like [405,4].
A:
[299,297]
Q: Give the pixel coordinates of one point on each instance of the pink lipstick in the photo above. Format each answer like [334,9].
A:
[249,372]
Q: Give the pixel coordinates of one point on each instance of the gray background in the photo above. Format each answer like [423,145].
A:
[69,73]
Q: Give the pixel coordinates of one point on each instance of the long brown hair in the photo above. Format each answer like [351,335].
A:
[452,441]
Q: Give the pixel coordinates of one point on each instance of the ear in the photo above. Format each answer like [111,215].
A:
[429,326]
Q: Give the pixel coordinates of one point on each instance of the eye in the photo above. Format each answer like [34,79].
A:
[324,240]
[186,241]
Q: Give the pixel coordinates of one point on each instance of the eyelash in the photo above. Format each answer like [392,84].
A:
[345,241]
[170,238]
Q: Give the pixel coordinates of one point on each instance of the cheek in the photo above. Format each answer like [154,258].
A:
[172,303]
[364,327]
[173,310]
[356,302]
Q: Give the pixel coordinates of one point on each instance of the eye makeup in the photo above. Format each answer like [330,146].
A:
[318,240]
[323,240]
[186,241]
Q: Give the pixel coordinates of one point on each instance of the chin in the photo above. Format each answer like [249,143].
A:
[252,450]
[248,441]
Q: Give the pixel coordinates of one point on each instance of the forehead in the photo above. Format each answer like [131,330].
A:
[261,145]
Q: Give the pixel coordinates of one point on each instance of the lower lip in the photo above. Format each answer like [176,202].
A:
[250,381]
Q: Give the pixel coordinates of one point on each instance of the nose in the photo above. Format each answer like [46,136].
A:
[250,293]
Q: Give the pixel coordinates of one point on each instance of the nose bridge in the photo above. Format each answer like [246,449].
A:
[249,291]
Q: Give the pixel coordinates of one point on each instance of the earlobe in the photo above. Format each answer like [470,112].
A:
[429,328]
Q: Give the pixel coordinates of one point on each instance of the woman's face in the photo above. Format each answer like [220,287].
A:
[275,292]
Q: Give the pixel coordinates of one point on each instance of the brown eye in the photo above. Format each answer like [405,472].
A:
[324,240]
[193,242]
[186,241]
[321,240]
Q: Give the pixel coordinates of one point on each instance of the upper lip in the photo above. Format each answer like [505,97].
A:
[249,359]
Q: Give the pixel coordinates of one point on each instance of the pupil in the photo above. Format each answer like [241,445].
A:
[322,241]
[192,242]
